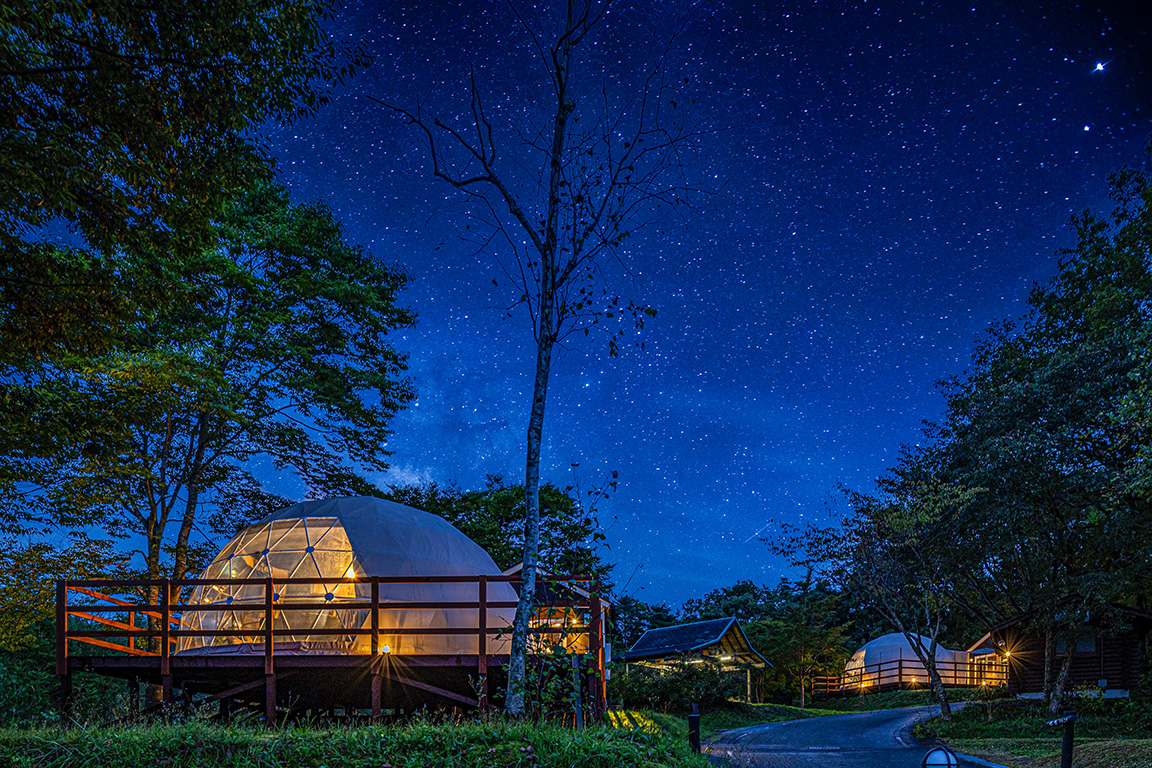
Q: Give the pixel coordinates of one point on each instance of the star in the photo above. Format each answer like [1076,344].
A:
[1099,67]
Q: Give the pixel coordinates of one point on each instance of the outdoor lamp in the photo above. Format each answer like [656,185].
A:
[939,757]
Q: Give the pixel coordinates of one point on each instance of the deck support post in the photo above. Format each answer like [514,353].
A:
[376,681]
[482,643]
[270,701]
[225,711]
[596,683]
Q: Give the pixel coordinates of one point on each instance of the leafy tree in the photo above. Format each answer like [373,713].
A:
[134,122]
[804,637]
[744,600]
[898,552]
[1053,422]
[570,537]
[631,618]
[278,349]
[563,210]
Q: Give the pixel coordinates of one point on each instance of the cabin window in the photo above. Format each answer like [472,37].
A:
[1084,644]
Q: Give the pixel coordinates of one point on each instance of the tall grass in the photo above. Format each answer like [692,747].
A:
[493,744]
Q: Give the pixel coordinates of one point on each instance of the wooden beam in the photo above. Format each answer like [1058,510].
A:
[435,689]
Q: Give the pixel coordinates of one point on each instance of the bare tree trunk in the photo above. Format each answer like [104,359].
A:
[938,692]
[525,608]
[928,659]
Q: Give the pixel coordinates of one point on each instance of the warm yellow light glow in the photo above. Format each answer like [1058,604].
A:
[725,658]
[1007,654]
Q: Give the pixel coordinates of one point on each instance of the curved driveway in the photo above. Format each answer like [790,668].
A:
[880,739]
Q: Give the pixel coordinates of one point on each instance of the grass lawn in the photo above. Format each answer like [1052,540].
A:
[714,722]
[494,744]
[1109,734]
[890,700]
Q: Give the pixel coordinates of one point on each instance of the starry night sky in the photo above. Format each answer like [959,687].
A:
[885,180]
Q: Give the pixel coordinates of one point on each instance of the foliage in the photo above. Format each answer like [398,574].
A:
[134,122]
[744,600]
[494,743]
[802,639]
[1110,718]
[570,537]
[675,688]
[278,348]
[1053,422]
[631,618]
[28,685]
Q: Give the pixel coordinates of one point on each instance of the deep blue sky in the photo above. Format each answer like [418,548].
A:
[890,178]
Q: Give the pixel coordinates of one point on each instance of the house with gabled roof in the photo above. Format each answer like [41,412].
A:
[720,640]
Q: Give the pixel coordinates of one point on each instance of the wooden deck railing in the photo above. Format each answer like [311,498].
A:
[910,673]
[124,611]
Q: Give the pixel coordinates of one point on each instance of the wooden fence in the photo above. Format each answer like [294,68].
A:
[977,671]
[142,618]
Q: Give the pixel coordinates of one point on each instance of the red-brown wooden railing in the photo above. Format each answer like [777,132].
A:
[119,614]
[910,673]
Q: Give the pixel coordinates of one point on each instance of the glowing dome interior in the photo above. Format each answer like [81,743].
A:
[335,538]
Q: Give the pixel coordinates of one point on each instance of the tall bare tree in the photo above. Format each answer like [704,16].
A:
[596,169]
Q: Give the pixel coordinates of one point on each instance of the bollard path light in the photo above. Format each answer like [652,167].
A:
[939,757]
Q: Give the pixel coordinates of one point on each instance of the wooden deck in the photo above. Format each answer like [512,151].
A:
[901,674]
[136,624]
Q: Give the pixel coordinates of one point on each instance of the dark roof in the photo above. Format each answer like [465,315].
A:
[717,634]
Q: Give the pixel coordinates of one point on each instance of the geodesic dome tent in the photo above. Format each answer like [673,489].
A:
[889,660]
[345,537]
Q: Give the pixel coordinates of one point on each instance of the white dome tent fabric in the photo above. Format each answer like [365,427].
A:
[890,660]
[342,537]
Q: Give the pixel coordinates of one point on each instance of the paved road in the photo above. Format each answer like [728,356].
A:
[861,740]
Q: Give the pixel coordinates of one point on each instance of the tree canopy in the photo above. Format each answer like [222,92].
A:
[278,350]
[493,517]
[137,122]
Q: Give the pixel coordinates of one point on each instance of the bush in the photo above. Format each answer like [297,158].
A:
[675,688]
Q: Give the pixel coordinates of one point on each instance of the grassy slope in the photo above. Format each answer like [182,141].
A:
[890,700]
[483,745]
[1109,735]
[712,723]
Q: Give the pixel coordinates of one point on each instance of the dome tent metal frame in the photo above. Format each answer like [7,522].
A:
[264,654]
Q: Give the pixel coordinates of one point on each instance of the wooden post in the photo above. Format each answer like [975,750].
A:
[375,616]
[268,636]
[748,670]
[374,662]
[269,670]
[165,629]
[269,701]
[482,642]
[225,710]
[597,692]
[376,682]
[577,703]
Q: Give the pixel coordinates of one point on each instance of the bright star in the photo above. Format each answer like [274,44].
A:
[1099,67]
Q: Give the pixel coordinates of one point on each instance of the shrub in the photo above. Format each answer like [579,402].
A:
[675,688]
